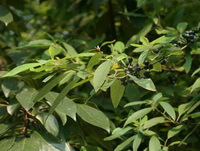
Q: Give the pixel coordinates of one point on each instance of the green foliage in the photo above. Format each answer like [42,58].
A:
[99,75]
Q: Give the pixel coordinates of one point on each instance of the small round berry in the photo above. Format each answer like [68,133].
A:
[156,50]
[130,80]
[185,35]
[146,67]
[146,62]
[191,36]
[130,59]
[150,66]
[130,68]
[164,61]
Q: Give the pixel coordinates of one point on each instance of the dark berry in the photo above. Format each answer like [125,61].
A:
[156,50]
[162,46]
[137,69]
[124,83]
[191,36]
[146,62]
[164,61]
[130,59]
[130,80]
[150,66]
[130,68]
[146,67]
[189,32]
[185,35]
[146,74]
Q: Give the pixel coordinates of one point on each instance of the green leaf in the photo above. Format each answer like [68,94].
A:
[48,87]
[169,109]
[66,106]
[163,40]
[71,51]
[116,92]
[144,40]
[174,131]
[184,107]
[123,145]
[117,133]
[141,3]
[100,74]
[7,143]
[137,115]
[25,98]
[181,27]
[135,103]
[152,122]
[94,60]
[49,122]
[5,15]
[196,71]
[137,141]
[36,142]
[154,144]
[144,83]
[119,46]
[188,63]
[142,57]
[107,42]
[21,68]
[93,116]
[135,38]
[41,43]
[196,85]
[62,94]
[52,51]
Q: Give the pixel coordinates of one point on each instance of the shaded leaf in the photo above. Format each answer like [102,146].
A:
[123,145]
[49,122]
[116,92]
[93,116]
[100,74]
[62,94]
[196,85]
[5,15]
[181,27]
[25,98]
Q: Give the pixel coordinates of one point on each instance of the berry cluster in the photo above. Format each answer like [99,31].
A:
[190,35]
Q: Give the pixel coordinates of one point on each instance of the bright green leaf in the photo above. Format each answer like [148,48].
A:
[174,131]
[144,83]
[136,115]
[196,85]
[124,144]
[142,57]
[21,68]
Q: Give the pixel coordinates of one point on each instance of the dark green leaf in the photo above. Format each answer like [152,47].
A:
[5,15]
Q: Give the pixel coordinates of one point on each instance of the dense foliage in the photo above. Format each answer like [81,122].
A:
[99,75]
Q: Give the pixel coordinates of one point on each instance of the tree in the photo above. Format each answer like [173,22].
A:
[99,75]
